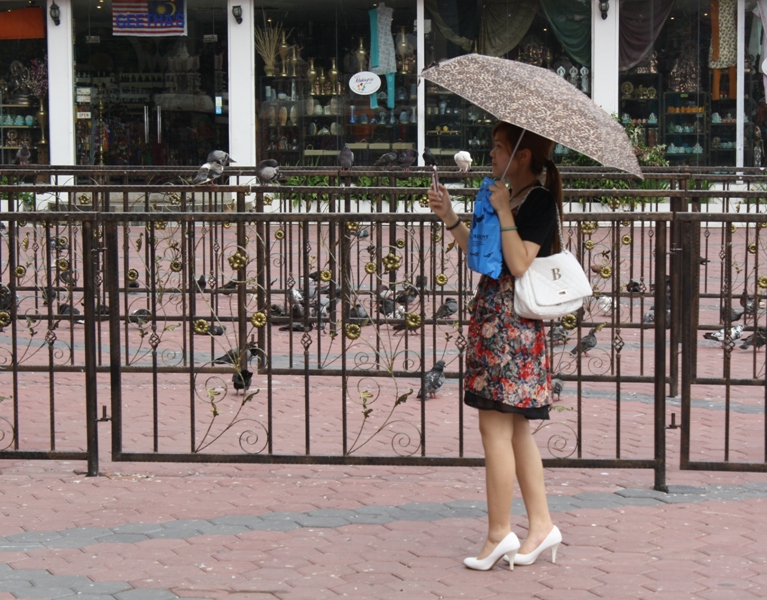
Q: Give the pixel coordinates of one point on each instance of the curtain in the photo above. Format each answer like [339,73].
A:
[453,22]
[571,22]
[502,28]
[640,23]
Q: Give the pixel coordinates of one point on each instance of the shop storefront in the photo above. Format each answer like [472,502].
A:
[165,82]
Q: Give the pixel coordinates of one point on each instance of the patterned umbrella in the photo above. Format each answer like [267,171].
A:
[540,101]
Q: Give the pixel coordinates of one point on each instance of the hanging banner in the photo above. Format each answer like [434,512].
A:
[148,18]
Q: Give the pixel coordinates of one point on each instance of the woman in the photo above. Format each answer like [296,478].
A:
[507,367]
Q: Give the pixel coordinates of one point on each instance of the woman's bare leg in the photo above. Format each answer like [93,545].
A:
[497,430]
[529,468]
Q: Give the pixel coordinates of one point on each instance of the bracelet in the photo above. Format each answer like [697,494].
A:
[457,223]
[512,228]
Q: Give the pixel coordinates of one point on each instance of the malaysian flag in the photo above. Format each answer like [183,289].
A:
[148,18]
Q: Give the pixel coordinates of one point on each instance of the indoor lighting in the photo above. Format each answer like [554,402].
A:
[237,13]
[55,13]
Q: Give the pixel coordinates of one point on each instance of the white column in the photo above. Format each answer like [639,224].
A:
[421,101]
[604,57]
[61,86]
[241,84]
[741,77]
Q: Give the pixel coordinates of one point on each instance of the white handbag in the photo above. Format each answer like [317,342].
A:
[552,286]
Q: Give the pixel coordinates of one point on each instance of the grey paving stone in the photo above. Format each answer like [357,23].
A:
[27,574]
[325,522]
[467,504]
[4,567]
[80,596]
[601,504]
[686,489]
[33,536]
[84,532]
[136,528]
[70,581]
[244,520]
[122,538]
[756,485]
[102,587]
[465,513]
[425,506]
[417,515]
[9,547]
[173,534]
[639,493]
[225,529]
[277,526]
[47,593]
[15,587]
[391,511]
[330,512]
[146,594]
[370,519]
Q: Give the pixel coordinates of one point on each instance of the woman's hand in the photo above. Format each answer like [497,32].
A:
[439,202]
[500,198]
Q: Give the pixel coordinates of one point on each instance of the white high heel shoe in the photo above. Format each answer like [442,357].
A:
[507,546]
[551,541]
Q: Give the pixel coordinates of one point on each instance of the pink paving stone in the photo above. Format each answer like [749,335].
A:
[571,595]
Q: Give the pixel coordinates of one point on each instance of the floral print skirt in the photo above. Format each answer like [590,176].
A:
[507,363]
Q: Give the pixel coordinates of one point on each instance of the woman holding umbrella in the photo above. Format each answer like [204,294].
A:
[507,366]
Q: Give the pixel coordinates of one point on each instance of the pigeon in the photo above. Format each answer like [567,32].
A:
[428,158]
[588,341]
[433,380]
[719,336]
[558,334]
[208,173]
[387,160]
[220,157]
[358,315]
[297,327]
[748,302]
[49,295]
[606,304]
[198,285]
[214,329]
[278,310]
[268,170]
[407,295]
[758,339]
[23,155]
[735,315]
[463,160]
[421,282]
[361,233]
[67,310]
[649,316]
[557,385]
[232,357]
[346,158]
[407,158]
[447,309]
[140,316]
[228,288]
[633,287]
[241,380]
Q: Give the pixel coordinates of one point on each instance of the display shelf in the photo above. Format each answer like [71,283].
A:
[13,135]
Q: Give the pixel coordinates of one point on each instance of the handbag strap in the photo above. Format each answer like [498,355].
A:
[559,223]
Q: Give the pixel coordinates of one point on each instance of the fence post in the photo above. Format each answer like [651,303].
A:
[91,385]
[660,356]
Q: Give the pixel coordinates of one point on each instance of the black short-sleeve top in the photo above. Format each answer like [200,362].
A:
[536,219]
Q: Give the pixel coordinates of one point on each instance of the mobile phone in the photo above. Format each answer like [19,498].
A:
[434,178]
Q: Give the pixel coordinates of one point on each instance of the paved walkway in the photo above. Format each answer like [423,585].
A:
[157,531]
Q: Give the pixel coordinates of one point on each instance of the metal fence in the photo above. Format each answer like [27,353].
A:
[296,322]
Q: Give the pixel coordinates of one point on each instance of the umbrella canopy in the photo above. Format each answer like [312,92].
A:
[540,101]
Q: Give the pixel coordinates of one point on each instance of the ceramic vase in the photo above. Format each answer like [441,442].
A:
[361,56]
[402,49]
[42,120]
[283,50]
[311,75]
[333,75]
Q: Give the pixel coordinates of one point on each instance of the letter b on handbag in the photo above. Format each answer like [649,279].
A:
[552,287]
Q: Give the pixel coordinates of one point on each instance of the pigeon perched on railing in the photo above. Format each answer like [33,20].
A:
[268,170]
[386,160]
[428,158]
[220,157]
[433,380]
[463,160]
[346,158]
[208,173]
[407,158]
[23,155]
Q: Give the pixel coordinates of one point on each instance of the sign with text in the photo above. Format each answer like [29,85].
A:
[148,17]
[364,83]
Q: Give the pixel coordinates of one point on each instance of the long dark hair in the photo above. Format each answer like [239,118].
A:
[540,150]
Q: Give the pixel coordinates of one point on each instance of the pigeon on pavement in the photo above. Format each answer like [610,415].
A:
[557,385]
[346,158]
[67,310]
[241,380]
[758,339]
[463,160]
[208,173]
[220,157]
[448,308]
[588,341]
[407,158]
[433,380]
[387,160]
[297,327]
[428,158]
[23,155]
[268,170]
[719,336]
